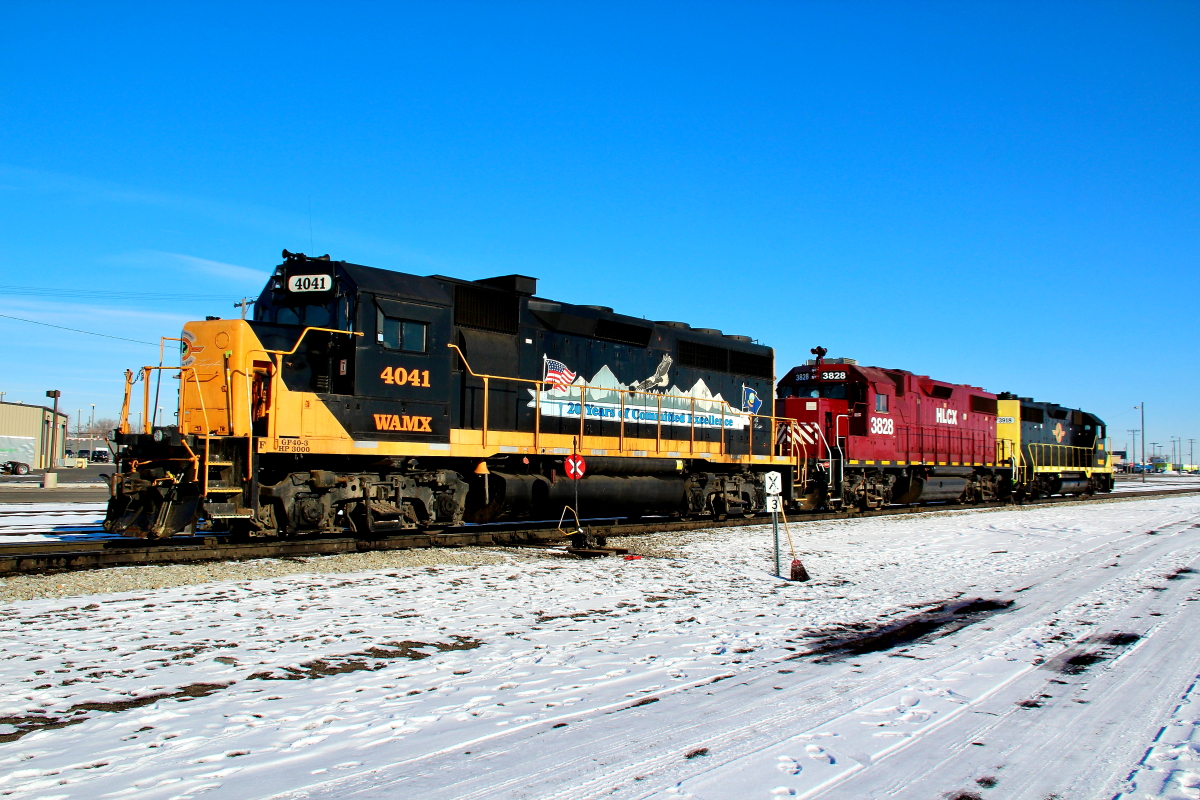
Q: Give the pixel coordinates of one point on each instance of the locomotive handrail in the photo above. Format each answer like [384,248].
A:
[147,426]
[1044,454]
[726,408]
[304,333]
[123,425]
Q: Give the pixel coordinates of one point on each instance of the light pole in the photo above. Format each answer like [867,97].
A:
[1133,453]
[92,424]
[78,422]
[1191,451]
[50,477]
[1142,407]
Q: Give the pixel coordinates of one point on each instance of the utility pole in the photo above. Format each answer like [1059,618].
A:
[1142,406]
[1133,453]
[1191,451]
[50,477]
[245,304]
[92,424]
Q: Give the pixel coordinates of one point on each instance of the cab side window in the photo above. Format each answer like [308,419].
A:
[407,335]
[881,403]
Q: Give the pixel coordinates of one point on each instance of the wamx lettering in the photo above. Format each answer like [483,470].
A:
[402,422]
[947,416]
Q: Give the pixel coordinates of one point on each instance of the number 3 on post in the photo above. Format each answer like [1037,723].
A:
[401,377]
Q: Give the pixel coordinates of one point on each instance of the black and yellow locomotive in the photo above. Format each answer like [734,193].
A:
[361,400]
[1048,449]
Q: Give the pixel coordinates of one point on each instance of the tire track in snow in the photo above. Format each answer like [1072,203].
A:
[609,751]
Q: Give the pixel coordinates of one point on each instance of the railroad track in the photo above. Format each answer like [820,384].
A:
[37,557]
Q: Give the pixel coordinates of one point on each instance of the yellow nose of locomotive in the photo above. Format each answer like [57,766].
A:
[215,385]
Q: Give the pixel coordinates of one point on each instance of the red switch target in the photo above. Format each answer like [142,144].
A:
[575,466]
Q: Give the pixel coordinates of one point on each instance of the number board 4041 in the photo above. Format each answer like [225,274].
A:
[310,283]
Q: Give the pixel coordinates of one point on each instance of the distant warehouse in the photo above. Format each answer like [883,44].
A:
[25,433]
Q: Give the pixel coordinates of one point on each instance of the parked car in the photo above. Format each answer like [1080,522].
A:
[100,457]
[84,454]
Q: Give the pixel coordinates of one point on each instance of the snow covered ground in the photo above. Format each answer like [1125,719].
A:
[1134,483]
[1020,653]
[67,521]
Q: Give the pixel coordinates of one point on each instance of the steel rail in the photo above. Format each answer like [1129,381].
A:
[41,557]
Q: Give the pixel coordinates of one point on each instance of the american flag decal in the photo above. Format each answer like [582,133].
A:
[558,374]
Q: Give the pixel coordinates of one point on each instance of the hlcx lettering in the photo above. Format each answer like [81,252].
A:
[402,422]
[947,416]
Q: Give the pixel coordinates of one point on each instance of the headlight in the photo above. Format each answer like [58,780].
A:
[158,434]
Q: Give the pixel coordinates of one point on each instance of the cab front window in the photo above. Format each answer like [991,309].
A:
[830,391]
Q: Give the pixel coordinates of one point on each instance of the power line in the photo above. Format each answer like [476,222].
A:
[38,291]
[77,330]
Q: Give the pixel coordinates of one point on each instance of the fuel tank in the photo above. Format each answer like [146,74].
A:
[509,496]
[916,489]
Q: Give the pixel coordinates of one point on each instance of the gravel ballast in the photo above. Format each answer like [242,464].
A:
[129,579]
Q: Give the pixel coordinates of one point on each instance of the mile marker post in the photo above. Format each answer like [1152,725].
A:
[773,485]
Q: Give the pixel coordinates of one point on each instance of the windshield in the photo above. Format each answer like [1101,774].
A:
[830,391]
[337,313]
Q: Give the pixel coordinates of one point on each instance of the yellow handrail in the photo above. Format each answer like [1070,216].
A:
[304,333]
[726,408]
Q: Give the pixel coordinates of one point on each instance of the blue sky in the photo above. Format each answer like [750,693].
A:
[998,194]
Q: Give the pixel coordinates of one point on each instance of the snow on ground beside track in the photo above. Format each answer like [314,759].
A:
[67,521]
[529,675]
[1134,483]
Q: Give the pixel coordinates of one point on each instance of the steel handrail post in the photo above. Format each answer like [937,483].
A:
[621,432]
[124,426]
[537,417]
[207,428]
[723,429]
[483,442]
[146,423]
[162,357]
[837,440]
[692,420]
[276,376]
[658,423]
[228,392]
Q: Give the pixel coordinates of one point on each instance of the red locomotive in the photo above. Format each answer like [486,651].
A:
[885,436]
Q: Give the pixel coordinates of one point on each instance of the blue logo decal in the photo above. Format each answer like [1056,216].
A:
[750,400]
